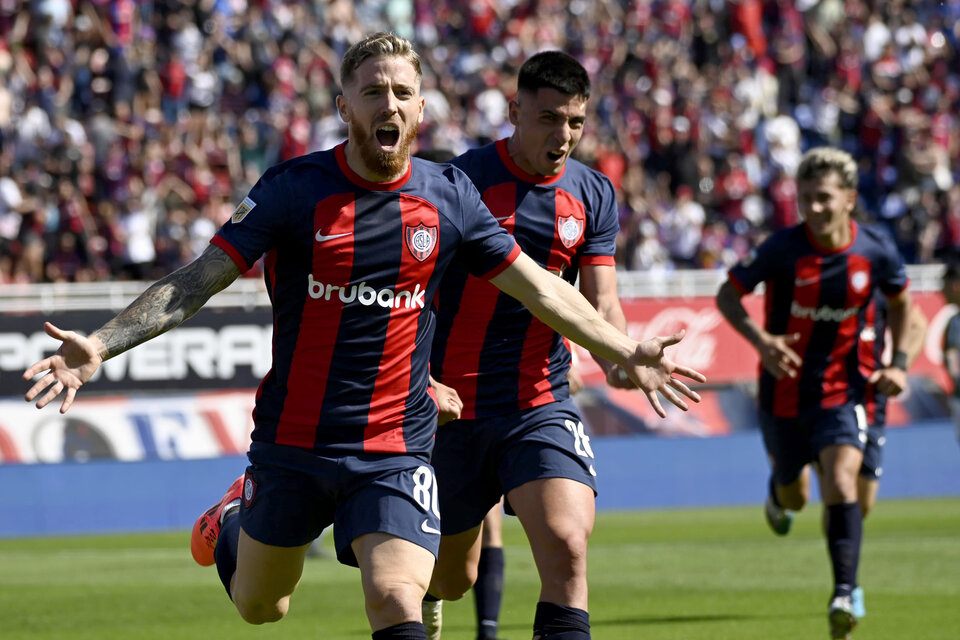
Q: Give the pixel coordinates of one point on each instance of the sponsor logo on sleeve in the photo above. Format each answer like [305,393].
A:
[243,209]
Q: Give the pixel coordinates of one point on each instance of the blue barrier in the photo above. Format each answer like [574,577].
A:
[635,472]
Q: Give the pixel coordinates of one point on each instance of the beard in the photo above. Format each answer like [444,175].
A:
[384,163]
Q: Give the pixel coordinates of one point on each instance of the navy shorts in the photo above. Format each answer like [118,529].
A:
[291,495]
[477,461]
[872,467]
[795,442]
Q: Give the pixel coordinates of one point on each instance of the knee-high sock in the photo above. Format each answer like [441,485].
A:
[554,622]
[844,534]
[225,553]
[403,631]
[488,591]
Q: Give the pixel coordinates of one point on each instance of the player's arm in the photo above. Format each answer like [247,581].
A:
[163,306]
[559,305]
[774,350]
[892,379]
[598,284]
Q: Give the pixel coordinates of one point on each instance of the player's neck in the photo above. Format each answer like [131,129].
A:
[516,154]
[835,239]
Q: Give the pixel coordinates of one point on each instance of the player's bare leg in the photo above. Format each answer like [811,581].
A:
[395,574]
[783,500]
[456,569]
[265,578]
[840,466]
[558,516]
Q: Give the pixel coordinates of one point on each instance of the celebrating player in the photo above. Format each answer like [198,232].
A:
[356,240]
[519,432]
[820,278]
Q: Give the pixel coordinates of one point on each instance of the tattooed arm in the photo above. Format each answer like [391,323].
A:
[163,306]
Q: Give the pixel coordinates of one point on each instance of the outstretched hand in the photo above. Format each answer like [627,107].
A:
[651,371]
[77,359]
[777,356]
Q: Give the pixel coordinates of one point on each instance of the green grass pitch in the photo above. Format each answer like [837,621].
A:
[657,575]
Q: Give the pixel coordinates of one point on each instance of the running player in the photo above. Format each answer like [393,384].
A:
[820,278]
[519,432]
[951,339]
[356,240]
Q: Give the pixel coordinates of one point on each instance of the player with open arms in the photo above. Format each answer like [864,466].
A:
[355,240]
[520,434]
[951,338]
[820,278]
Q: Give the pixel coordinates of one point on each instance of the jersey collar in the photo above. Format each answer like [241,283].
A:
[515,169]
[354,177]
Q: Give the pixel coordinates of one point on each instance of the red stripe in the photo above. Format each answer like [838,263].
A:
[868,362]
[319,325]
[221,242]
[859,288]
[534,387]
[384,431]
[565,206]
[220,432]
[786,389]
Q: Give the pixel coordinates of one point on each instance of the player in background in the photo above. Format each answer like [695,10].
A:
[356,240]
[951,339]
[872,347]
[820,278]
[520,434]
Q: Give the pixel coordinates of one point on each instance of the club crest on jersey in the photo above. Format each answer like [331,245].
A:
[421,240]
[859,281]
[243,209]
[570,229]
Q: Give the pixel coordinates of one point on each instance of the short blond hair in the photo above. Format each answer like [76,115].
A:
[378,44]
[820,161]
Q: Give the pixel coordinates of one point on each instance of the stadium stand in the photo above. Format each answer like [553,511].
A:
[129,129]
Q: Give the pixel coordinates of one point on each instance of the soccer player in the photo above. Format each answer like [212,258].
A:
[820,277]
[872,346]
[951,339]
[520,434]
[356,240]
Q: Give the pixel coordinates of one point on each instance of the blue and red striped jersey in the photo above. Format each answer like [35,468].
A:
[351,269]
[488,347]
[823,295]
[873,341]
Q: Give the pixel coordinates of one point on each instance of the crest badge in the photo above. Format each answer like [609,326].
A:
[859,281]
[570,230]
[243,209]
[421,240]
[249,490]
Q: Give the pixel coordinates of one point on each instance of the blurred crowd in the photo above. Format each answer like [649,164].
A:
[129,129]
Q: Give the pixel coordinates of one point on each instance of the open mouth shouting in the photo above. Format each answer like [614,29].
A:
[388,135]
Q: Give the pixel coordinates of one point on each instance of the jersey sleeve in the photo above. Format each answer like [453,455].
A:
[486,249]
[754,268]
[256,223]
[892,276]
[600,244]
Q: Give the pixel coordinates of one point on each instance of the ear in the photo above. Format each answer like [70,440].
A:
[420,115]
[342,109]
[851,201]
[514,112]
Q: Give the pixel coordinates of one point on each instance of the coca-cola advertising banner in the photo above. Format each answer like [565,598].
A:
[714,348]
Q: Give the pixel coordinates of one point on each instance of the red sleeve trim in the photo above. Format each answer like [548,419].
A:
[607,261]
[221,242]
[742,290]
[500,268]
